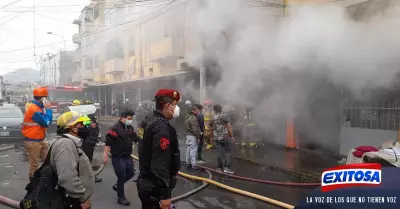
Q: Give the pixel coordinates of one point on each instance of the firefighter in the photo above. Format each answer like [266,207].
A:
[249,137]
[76,103]
[38,117]
[90,136]
[208,115]
[159,155]
[119,142]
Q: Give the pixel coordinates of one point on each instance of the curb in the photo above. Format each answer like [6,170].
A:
[6,148]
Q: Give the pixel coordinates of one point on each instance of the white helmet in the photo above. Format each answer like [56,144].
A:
[188,102]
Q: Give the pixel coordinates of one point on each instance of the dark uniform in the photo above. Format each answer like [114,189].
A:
[120,138]
[159,159]
[90,136]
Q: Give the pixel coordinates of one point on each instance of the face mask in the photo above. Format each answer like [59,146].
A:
[176,112]
[128,122]
[76,128]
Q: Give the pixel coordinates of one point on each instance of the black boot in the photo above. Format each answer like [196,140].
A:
[123,201]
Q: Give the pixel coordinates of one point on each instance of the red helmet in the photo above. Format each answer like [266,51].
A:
[207,102]
[40,92]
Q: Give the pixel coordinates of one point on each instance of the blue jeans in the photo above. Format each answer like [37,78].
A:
[124,169]
[191,152]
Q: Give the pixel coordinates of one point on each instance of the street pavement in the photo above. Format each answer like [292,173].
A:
[13,179]
[14,169]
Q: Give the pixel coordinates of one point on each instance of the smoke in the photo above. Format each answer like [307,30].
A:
[294,65]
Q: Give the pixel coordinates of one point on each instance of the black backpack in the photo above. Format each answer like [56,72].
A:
[44,193]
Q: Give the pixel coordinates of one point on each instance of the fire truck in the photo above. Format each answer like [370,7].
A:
[61,97]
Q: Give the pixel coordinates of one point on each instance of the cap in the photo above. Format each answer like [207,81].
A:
[168,93]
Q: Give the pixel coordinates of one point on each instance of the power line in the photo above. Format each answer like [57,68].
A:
[10,4]
[57,8]
[144,19]
[13,18]
[104,30]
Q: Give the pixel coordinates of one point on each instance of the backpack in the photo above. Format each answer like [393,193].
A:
[44,193]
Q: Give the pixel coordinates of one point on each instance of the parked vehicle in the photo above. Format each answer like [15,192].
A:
[11,118]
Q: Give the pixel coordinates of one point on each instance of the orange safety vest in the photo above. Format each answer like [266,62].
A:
[30,129]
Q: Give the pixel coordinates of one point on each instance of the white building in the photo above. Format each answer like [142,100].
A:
[57,69]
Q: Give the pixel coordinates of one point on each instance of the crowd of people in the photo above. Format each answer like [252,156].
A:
[70,155]
[213,125]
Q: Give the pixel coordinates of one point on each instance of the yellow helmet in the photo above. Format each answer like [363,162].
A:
[69,119]
[76,103]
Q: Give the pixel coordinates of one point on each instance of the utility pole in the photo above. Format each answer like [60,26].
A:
[203,91]
[65,57]
[34,28]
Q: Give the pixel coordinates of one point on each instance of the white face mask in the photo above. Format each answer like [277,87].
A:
[176,112]
[128,122]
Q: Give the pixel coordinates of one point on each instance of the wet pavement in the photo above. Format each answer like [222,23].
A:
[14,169]
[13,179]
[271,155]
[290,159]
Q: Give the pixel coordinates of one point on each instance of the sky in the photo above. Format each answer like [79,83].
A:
[17,30]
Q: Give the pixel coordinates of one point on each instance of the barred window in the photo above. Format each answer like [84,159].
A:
[383,115]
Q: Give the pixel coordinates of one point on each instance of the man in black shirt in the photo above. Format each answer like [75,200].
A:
[159,155]
[119,141]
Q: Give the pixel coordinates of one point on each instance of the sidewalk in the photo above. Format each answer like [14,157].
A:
[290,159]
[299,164]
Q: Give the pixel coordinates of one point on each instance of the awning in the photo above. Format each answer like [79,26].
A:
[143,79]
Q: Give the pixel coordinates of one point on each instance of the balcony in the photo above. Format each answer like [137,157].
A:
[76,38]
[89,27]
[167,48]
[86,75]
[114,66]
[76,78]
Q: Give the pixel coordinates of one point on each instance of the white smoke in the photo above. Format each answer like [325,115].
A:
[281,62]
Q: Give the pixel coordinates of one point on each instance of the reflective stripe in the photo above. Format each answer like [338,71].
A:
[30,124]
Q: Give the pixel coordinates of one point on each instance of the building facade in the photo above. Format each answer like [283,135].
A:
[136,45]
[57,69]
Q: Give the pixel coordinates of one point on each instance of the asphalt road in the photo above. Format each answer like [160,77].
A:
[13,179]
[14,169]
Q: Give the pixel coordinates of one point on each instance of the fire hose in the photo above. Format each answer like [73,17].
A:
[205,181]
[14,204]
[261,180]
[235,190]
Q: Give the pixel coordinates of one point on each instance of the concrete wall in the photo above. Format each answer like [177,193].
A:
[354,137]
